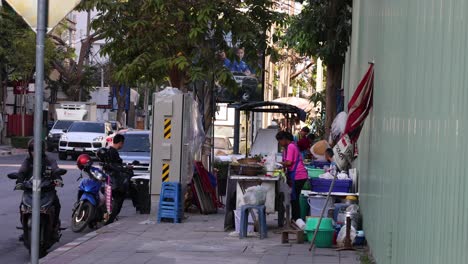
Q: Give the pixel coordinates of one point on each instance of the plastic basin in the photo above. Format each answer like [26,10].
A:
[324,237]
[313,172]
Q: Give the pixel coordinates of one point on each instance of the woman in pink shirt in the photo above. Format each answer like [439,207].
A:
[297,173]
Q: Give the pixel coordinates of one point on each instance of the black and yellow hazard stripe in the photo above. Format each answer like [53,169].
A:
[167,128]
[165,172]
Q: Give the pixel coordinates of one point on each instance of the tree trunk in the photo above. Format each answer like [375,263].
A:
[334,75]
[177,79]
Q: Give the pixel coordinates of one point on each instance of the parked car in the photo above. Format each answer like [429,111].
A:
[56,132]
[137,147]
[84,137]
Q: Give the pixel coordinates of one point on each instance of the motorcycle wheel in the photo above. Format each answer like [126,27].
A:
[82,216]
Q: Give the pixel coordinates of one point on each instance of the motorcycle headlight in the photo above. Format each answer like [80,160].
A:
[64,137]
[100,138]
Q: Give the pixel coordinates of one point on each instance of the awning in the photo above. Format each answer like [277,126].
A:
[273,107]
[302,103]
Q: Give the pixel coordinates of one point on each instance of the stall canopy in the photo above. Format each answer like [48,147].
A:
[289,111]
[273,107]
[302,103]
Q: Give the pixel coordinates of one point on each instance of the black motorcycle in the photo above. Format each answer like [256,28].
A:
[49,231]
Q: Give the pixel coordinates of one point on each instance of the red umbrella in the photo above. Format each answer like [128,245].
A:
[360,105]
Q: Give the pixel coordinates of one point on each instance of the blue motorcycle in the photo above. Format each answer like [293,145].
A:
[90,209]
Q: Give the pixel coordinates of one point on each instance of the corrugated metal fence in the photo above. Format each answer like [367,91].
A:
[413,151]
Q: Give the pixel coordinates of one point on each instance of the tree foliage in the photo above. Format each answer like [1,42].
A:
[177,41]
[154,39]
[323,29]
[18,48]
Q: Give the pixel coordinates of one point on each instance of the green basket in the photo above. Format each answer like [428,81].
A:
[313,172]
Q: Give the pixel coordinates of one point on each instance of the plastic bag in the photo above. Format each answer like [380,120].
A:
[286,190]
[255,195]
[270,163]
[326,175]
[342,176]
[342,235]
[339,125]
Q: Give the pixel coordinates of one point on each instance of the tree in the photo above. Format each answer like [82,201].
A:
[323,29]
[18,52]
[177,41]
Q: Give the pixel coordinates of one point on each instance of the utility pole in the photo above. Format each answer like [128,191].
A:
[88,31]
[39,96]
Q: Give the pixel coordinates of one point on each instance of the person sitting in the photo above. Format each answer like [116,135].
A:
[26,172]
[239,65]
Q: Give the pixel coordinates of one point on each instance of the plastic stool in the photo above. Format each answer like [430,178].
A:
[245,209]
[170,202]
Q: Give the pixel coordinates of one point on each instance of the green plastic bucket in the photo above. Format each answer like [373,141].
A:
[304,206]
[313,172]
[324,237]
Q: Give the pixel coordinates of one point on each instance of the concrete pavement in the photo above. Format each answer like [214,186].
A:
[6,150]
[199,239]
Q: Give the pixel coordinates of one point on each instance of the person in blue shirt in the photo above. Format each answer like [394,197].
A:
[222,57]
[239,64]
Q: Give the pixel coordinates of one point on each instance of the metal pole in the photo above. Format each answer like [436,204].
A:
[37,171]
[236,131]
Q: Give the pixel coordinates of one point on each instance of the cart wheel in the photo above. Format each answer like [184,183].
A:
[281,211]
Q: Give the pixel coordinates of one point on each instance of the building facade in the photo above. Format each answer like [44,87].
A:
[412,162]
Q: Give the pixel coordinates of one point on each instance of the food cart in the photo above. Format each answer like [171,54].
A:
[239,181]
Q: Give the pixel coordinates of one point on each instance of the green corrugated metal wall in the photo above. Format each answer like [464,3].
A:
[413,150]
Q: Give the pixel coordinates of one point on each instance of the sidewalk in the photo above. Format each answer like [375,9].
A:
[200,239]
[6,150]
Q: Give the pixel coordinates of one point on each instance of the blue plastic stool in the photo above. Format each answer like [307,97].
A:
[170,202]
[244,221]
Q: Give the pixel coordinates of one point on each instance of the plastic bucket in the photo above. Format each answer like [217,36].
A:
[324,237]
[316,204]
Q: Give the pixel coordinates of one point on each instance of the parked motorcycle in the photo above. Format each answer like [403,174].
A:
[50,232]
[90,209]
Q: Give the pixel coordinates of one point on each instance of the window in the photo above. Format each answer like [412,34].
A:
[136,143]
[62,124]
[87,127]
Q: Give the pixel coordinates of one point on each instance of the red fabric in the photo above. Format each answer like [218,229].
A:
[360,105]
[205,180]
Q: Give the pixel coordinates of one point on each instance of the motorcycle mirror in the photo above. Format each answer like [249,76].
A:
[135,162]
[13,176]
[64,131]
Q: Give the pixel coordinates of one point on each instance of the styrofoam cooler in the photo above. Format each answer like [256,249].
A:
[237,217]
[316,204]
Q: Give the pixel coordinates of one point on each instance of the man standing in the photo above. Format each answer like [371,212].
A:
[119,175]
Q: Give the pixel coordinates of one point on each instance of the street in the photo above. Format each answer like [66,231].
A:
[11,249]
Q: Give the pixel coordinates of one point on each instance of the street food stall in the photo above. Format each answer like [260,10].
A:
[250,171]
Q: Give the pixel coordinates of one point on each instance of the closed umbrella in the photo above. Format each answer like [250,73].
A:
[360,105]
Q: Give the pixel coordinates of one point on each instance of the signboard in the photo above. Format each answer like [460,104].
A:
[57,10]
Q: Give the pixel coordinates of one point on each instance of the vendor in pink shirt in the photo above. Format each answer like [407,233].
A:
[297,173]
